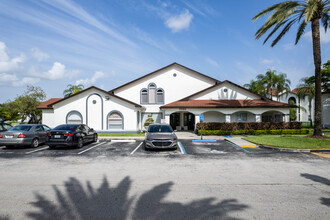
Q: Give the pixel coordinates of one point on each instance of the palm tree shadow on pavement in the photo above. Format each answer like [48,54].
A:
[319,179]
[114,203]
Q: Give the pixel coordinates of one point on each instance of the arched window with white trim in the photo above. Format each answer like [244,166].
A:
[115,120]
[74,117]
[144,96]
[152,93]
[160,96]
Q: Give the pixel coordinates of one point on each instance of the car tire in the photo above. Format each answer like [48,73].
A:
[52,147]
[95,138]
[145,146]
[10,146]
[80,143]
[35,143]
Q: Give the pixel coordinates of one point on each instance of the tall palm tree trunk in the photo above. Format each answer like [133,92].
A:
[317,63]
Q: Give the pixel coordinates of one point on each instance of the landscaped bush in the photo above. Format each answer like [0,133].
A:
[256,132]
[249,126]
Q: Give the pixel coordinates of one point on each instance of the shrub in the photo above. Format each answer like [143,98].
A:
[256,132]
[249,125]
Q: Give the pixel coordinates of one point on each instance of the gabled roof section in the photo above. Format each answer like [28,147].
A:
[173,64]
[219,84]
[227,104]
[58,100]
[44,105]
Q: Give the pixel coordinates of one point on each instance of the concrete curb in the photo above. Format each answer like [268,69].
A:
[286,149]
[120,138]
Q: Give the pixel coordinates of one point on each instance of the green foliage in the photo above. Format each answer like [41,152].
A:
[24,106]
[257,132]
[72,89]
[325,77]
[148,122]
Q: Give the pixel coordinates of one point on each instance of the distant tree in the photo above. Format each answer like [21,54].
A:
[72,89]
[24,107]
[325,77]
[256,87]
[269,81]
[307,89]
[293,111]
[282,85]
[286,14]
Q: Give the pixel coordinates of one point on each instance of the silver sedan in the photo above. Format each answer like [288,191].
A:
[28,134]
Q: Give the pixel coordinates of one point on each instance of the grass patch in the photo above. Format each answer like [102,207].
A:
[287,141]
[121,134]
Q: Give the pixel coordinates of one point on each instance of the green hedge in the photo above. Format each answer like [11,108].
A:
[256,132]
[249,126]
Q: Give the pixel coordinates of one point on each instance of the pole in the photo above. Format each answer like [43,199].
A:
[201,130]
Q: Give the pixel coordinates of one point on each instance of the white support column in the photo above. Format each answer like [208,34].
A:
[258,117]
[196,120]
[228,118]
[287,118]
[167,119]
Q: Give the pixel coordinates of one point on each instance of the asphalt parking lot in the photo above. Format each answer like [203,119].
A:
[219,148]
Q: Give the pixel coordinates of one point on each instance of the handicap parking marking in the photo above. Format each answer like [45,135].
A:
[40,149]
[235,145]
[81,152]
[183,151]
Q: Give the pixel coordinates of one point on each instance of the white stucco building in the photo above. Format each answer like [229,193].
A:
[173,94]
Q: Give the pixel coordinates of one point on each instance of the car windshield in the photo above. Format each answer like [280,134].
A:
[21,128]
[159,128]
[66,127]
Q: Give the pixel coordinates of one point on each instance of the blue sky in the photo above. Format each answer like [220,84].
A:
[53,43]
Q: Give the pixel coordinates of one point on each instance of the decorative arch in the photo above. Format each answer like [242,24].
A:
[214,116]
[272,116]
[75,115]
[101,107]
[116,119]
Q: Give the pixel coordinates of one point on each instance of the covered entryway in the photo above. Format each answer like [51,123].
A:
[273,116]
[182,121]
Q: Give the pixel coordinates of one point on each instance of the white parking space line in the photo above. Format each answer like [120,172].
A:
[30,152]
[2,147]
[137,148]
[123,140]
[91,148]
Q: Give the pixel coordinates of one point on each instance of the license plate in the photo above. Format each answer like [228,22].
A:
[57,136]
[9,136]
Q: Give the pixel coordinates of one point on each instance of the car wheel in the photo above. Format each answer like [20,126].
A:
[95,138]
[10,147]
[145,146]
[35,143]
[80,143]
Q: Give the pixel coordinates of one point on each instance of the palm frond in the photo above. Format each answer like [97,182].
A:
[283,32]
[301,31]
[326,21]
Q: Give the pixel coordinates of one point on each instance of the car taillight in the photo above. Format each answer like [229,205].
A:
[0,136]
[69,134]
[21,135]
[48,135]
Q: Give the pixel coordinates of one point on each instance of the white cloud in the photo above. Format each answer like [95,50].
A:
[39,55]
[324,37]
[13,80]
[179,22]
[267,61]
[91,81]
[212,62]
[7,64]
[56,72]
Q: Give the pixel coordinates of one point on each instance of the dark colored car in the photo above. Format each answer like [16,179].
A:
[71,135]
[4,126]
[25,134]
[160,136]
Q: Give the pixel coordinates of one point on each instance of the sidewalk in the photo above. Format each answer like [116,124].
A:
[240,142]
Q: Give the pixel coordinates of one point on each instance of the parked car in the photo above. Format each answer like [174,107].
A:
[71,135]
[4,126]
[25,134]
[160,136]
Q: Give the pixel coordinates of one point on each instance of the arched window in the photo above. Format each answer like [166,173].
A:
[160,96]
[74,117]
[115,120]
[152,93]
[144,96]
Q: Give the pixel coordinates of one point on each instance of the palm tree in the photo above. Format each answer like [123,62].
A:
[256,87]
[307,89]
[282,85]
[286,14]
[269,80]
[72,89]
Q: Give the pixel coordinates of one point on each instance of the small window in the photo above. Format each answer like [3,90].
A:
[160,96]
[46,128]
[115,121]
[241,117]
[144,96]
